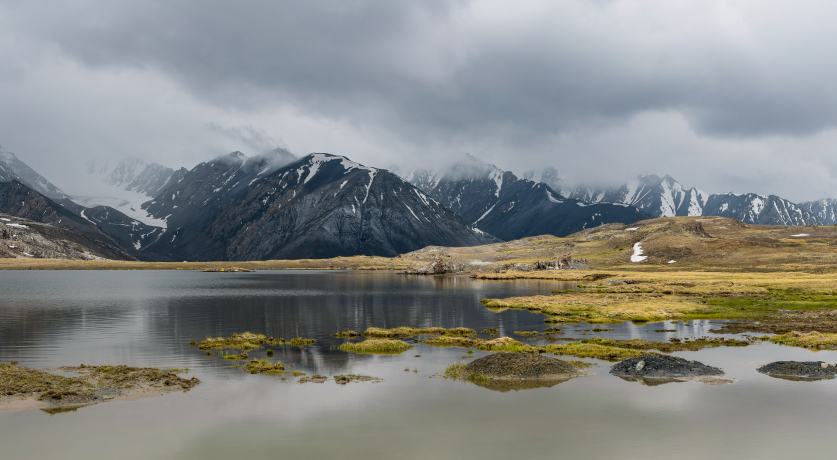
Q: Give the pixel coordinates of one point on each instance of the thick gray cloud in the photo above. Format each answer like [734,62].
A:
[723,95]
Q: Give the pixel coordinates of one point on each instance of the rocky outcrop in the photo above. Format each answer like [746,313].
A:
[20,238]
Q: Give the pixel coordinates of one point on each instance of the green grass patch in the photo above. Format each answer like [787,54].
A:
[406,332]
[377,346]
[263,366]
[345,334]
[812,340]
[245,341]
[301,342]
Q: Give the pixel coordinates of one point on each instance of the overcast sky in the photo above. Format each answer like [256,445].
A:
[722,95]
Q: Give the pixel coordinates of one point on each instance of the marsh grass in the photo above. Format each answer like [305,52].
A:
[377,346]
[674,345]
[642,296]
[263,366]
[301,342]
[590,350]
[812,340]
[603,349]
[244,341]
[407,332]
[345,334]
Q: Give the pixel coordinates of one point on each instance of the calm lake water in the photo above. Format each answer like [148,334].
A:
[146,318]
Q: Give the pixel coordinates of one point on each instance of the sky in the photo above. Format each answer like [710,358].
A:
[728,95]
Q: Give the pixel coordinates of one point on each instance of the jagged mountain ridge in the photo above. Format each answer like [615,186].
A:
[665,197]
[11,169]
[825,209]
[658,196]
[317,207]
[503,205]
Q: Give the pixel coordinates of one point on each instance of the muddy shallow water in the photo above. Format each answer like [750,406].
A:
[144,318]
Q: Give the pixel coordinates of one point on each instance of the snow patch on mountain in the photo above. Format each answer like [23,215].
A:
[637,255]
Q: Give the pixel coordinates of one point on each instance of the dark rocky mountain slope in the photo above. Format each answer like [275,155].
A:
[503,205]
[123,235]
[235,208]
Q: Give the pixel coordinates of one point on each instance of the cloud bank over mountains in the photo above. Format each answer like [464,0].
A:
[734,96]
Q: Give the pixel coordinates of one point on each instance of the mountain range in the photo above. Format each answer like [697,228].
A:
[665,197]
[276,205]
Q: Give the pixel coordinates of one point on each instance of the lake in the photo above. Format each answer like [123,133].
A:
[146,318]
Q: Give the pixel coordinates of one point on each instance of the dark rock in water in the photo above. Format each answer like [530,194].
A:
[657,369]
[800,370]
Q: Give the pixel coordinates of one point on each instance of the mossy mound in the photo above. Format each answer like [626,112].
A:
[800,370]
[503,365]
[515,371]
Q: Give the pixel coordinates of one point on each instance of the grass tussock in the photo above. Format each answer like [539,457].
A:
[301,342]
[245,341]
[263,366]
[591,350]
[377,346]
[346,334]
